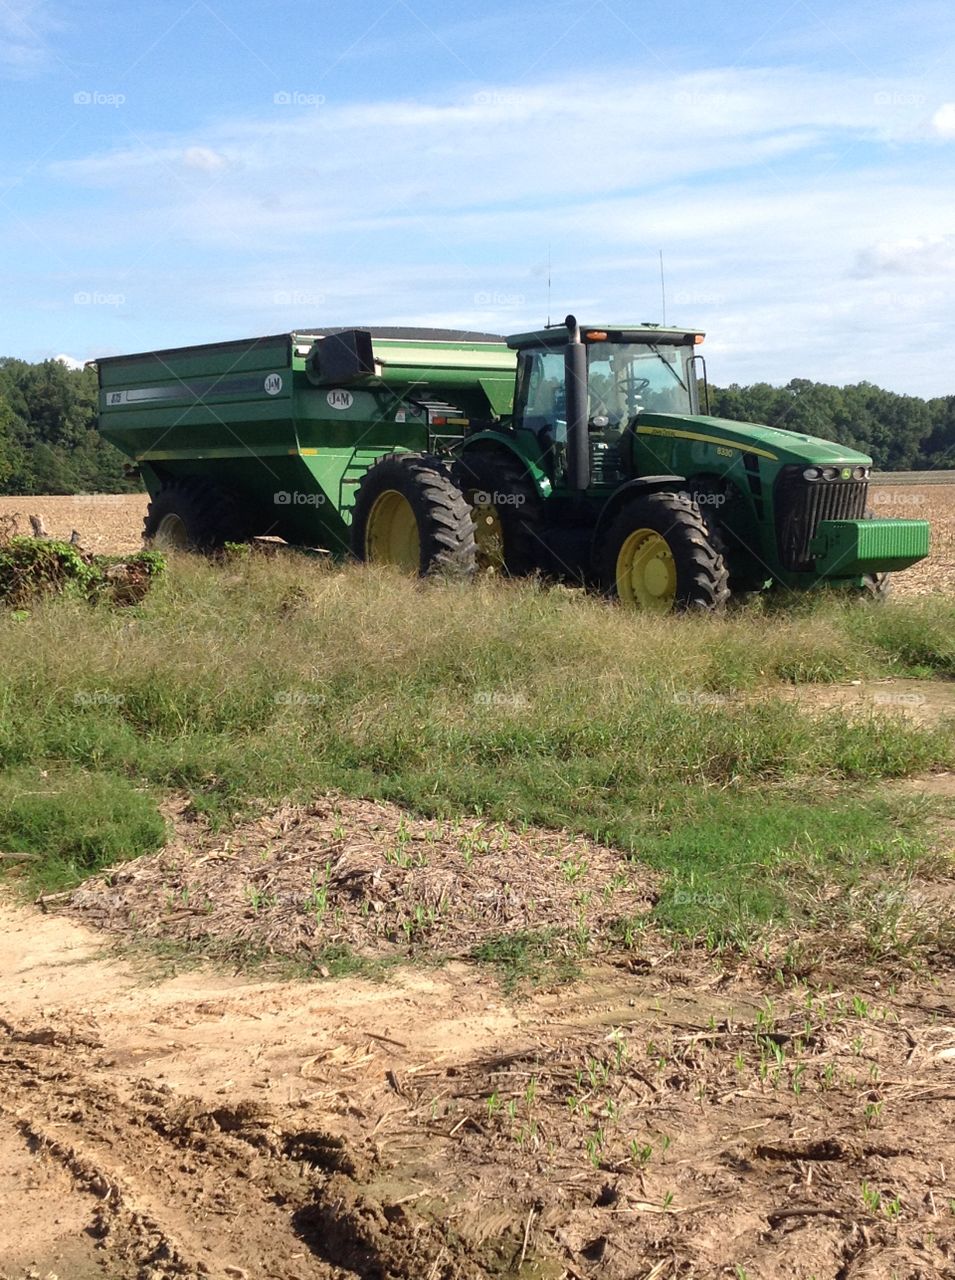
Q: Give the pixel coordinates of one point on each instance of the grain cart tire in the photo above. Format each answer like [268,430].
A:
[193,515]
[658,556]
[505,511]
[409,513]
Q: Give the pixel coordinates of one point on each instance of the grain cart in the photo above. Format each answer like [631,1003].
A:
[425,450]
[312,437]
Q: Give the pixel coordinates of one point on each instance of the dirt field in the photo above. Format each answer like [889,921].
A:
[658,1116]
[108,524]
[113,524]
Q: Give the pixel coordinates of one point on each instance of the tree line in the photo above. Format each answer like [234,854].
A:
[49,442]
[899,433]
[48,437]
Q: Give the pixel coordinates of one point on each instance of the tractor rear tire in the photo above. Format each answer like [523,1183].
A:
[409,513]
[505,511]
[194,515]
[659,556]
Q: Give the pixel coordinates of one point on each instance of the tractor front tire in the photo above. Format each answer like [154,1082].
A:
[659,556]
[193,515]
[410,514]
[505,511]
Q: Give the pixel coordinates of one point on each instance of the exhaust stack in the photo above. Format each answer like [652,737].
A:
[575,379]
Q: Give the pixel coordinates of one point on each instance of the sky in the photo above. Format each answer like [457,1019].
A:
[179,171]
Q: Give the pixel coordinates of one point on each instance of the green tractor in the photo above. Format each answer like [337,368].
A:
[579,452]
[608,473]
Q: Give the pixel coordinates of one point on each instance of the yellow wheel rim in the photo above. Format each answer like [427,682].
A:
[646,572]
[488,536]
[391,534]
[171,532]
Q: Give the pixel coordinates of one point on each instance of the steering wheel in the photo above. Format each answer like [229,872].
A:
[633,385]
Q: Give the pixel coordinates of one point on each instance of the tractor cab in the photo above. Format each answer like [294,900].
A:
[618,374]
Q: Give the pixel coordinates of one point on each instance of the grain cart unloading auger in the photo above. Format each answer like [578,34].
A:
[423,450]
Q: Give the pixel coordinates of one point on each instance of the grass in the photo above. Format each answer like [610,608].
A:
[249,681]
[531,957]
[158,958]
[68,824]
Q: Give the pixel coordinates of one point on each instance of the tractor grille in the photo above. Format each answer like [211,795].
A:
[802,504]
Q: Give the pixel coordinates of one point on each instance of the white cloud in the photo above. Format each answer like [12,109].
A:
[522,140]
[204,159]
[25,28]
[783,200]
[70,361]
[931,256]
[943,121]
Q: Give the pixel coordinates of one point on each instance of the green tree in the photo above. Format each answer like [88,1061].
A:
[48,437]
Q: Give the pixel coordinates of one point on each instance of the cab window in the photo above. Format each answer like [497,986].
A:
[540,402]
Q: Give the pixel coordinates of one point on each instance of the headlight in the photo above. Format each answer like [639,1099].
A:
[860,473]
[830,473]
[811,473]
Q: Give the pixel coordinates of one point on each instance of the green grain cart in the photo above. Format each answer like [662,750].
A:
[576,451]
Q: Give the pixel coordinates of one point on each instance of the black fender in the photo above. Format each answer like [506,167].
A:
[629,489]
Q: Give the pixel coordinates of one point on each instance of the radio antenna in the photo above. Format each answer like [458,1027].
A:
[663,289]
[548,286]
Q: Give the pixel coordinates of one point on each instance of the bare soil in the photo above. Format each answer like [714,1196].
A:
[925,702]
[662,1115]
[108,524]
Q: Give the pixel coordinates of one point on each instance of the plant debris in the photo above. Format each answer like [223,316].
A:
[366,876]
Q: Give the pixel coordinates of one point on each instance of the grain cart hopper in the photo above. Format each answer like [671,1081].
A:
[608,472]
[277,435]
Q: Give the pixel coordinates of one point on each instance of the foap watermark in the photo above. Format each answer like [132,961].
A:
[902,899]
[699,698]
[699,898]
[692,298]
[296,98]
[298,298]
[887,699]
[96,98]
[499,98]
[295,498]
[705,497]
[298,698]
[501,700]
[100,499]
[896,498]
[898,98]
[703,98]
[483,498]
[496,298]
[93,298]
[97,698]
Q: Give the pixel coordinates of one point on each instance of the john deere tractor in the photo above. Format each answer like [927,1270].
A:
[607,472]
[429,450]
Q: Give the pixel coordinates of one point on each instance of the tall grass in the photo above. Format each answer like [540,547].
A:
[249,681]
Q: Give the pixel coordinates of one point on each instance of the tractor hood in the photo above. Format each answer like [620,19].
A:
[772,443]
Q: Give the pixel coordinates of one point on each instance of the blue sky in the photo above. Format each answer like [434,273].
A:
[186,171]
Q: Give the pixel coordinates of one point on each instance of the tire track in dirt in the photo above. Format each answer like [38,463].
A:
[176,1189]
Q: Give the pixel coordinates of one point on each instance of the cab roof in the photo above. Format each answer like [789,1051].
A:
[556,335]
